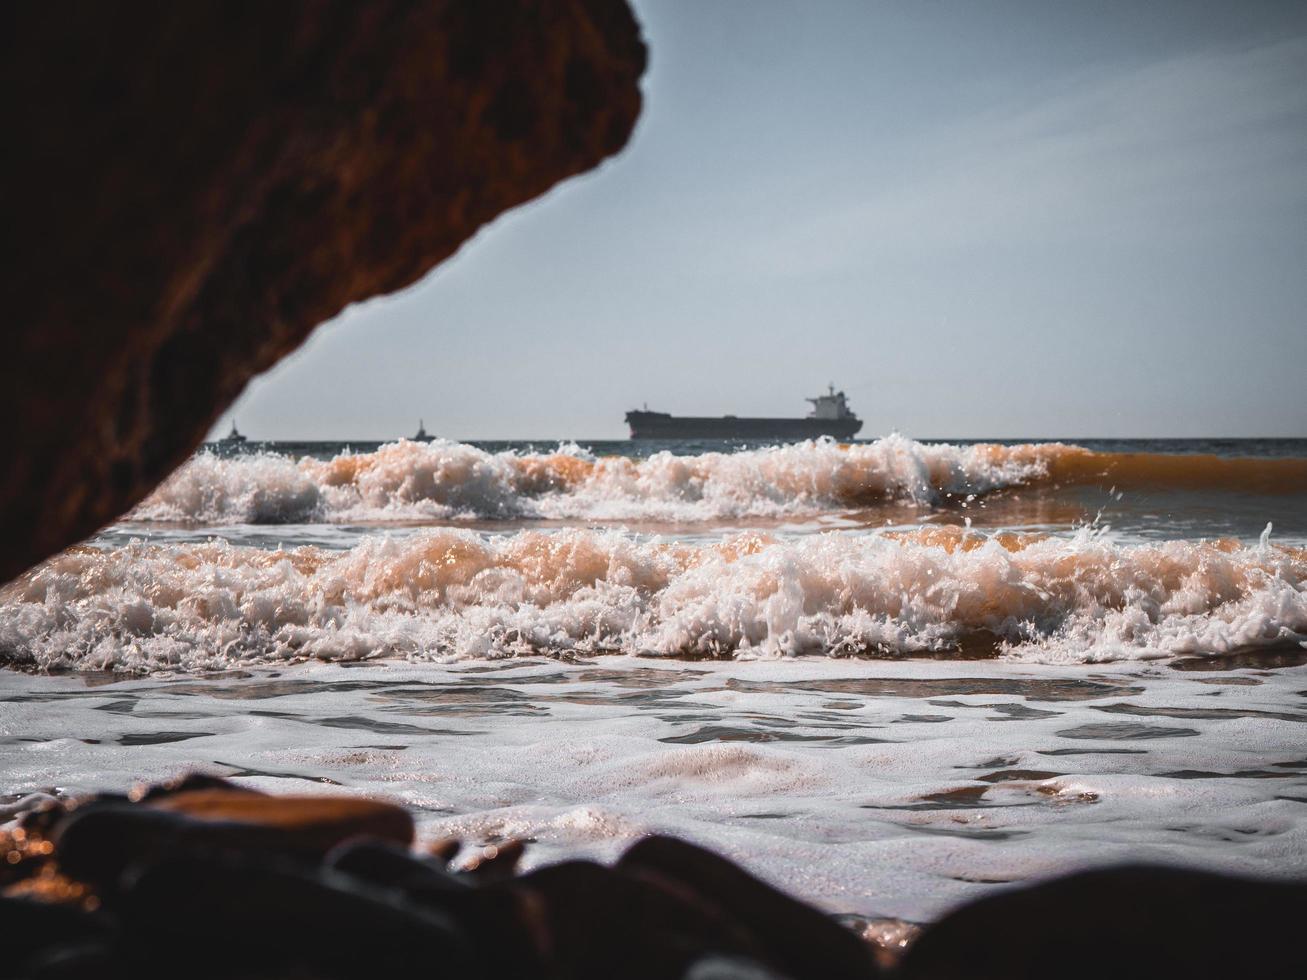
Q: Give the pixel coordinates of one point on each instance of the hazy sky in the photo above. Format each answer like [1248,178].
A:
[978,218]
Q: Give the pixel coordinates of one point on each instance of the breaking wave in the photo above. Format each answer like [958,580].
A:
[450,593]
[407,481]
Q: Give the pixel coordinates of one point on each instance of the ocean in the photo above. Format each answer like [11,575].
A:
[888,676]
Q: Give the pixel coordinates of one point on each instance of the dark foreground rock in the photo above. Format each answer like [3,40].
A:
[1132,921]
[190,188]
[99,842]
[205,879]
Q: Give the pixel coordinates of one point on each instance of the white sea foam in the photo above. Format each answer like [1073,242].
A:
[448,593]
[443,480]
[838,781]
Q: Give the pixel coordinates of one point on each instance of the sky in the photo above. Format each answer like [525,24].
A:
[994,219]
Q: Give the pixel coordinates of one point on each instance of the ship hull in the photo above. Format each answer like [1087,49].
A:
[657,425]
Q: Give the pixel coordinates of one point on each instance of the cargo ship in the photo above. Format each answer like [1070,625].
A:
[830,416]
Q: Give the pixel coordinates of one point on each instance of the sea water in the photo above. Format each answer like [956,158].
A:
[888,676]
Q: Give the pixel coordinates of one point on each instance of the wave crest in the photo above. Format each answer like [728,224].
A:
[408,481]
[443,480]
[449,593]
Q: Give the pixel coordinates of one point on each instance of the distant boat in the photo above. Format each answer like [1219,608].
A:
[232,438]
[422,434]
[830,416]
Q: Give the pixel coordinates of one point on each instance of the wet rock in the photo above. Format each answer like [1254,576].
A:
[390,866]
[97,843]
[206,882]
[277,919]
[26,804]
[729,968]
[1145,922]
[650,918]
[588,921]
[194,187]
[187,783]
[491,918]
[495,862]
[317,823]
[41,819]
[794,937]
[70,961]
[444,850]
[29,928]
[20,855]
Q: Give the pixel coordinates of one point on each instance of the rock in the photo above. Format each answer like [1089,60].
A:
[588,922]
[192,188]
[97,843]
[1145,922]
[792,937]
[30,928]
[216,882]
[444,850]
[27,804]
[646,925]
[279,920]
[187,783]
[490,918]
[45,816]
[70,961]
[495,862]
[388,866]
[317,823]
[21,855]
[729,968]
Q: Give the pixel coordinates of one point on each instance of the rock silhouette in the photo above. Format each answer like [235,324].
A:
[231,883]
[189,189]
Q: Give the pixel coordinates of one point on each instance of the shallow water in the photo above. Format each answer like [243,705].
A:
[871,787]
[889,676]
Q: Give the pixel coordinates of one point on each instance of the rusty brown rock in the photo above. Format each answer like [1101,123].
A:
[319,822]
[97,841]
[189,189]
